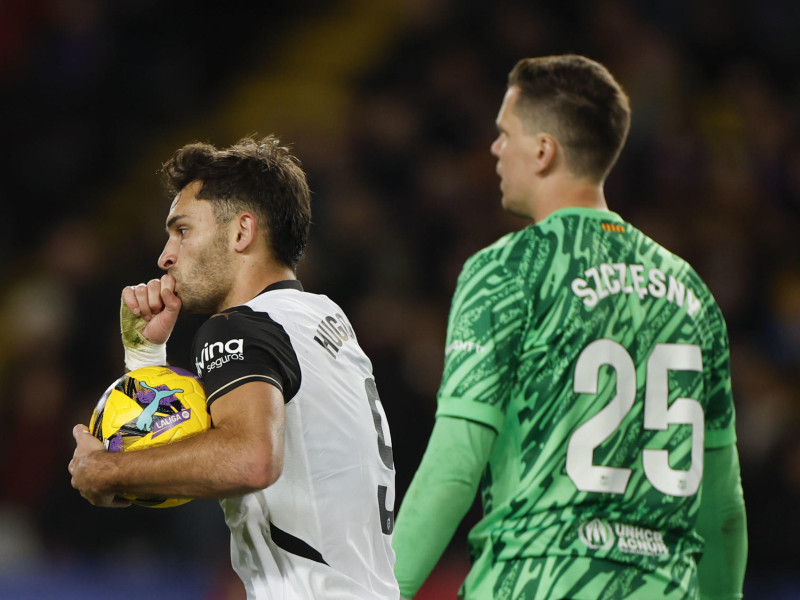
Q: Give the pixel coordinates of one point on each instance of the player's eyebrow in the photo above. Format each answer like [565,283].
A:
[173,219]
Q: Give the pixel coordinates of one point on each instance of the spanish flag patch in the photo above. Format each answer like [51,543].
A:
[615,227]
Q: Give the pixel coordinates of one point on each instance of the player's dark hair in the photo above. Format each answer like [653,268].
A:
[579,102]
[256,175]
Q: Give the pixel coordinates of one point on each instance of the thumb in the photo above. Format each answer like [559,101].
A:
[172,303]
[160,327]
[79,430]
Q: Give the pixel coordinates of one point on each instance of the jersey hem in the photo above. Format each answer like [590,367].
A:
[230,386]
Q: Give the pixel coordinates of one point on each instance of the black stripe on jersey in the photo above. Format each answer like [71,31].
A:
[237,382]
[294,545]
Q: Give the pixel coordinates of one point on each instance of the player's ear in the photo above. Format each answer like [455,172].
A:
[245,231]
[546,150]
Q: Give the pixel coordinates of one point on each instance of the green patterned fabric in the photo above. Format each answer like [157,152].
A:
[601,359]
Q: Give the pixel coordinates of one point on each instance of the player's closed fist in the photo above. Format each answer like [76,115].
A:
[149,310]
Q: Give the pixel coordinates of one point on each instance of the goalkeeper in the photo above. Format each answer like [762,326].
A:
[586,387]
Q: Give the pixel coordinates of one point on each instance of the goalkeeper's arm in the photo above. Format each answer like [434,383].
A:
[721,521]
[440,495]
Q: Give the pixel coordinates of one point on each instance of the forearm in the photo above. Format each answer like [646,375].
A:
[723,525]
[439,496]
[428,518]
[721,570]
[241,453]
[209,465]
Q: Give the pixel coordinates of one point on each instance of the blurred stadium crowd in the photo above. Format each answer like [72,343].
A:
[391,108]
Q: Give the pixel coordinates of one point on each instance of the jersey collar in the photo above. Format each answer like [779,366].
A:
[286,284]
[592,213]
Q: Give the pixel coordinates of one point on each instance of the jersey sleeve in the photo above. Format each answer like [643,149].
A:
[722,522]
[440,495]
[484,330]
[720,414]
[239,346]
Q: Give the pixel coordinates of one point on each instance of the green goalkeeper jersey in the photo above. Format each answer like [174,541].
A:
[601,360]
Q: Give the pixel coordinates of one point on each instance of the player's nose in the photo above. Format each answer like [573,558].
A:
[168,256]
[495,147]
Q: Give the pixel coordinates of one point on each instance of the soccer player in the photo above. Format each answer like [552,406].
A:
[586,385]
[299,453]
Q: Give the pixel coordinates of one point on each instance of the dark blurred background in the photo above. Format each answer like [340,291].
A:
[391,107]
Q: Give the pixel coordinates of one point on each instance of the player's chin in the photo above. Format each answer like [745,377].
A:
[189,306]
[514,208]
[185,298]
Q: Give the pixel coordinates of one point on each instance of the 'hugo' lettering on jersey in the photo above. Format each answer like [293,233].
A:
[217,354]
[621,278]
[333,332]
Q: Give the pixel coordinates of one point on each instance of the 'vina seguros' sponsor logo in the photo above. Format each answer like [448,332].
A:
[598,534]
[216,354]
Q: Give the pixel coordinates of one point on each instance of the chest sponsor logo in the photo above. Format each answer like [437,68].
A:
[216,354]
[599,534]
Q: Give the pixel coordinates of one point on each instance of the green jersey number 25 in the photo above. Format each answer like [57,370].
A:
[659,414]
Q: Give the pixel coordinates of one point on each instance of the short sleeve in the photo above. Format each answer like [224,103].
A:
[483,338]
[239,346]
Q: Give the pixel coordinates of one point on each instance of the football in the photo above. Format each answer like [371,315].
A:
[149,407]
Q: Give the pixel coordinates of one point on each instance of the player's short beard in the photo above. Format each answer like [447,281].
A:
[208,281]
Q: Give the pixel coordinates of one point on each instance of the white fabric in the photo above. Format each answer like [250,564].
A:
[144,354]
[327,494]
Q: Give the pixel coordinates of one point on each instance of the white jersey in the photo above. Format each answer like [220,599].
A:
[323,529]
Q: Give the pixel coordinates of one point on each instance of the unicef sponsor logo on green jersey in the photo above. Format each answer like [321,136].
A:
[599,534]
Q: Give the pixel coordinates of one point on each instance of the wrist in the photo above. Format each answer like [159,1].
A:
[144,353]
[96,472]
[112,474]
[139,350]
